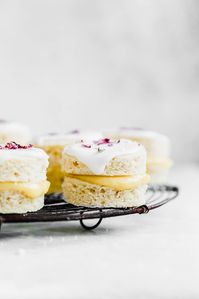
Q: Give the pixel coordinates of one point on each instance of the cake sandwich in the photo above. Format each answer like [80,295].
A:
[158,150]
[105,173]
[53,144]
[22,178]
[13,131]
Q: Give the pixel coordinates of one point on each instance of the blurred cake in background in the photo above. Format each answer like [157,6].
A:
[14,131]
[157,147]
[53,144]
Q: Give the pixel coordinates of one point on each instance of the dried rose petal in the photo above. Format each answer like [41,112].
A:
[74,132]
[86,145]
[52,133]
[26,146]
[102,141]
[13,145]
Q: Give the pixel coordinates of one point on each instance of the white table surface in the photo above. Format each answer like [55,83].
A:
[155,255]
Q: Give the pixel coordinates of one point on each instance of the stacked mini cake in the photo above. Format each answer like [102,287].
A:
[157,147]
[12,131]
[53,144]
[105,173]
[22,178]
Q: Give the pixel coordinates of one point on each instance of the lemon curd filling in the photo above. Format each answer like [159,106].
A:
[54,173]
[115,182]
[31,190]
[56,177]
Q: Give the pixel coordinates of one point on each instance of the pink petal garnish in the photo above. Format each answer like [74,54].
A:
[102,141]
[74,132]
[86,145]
[13,145]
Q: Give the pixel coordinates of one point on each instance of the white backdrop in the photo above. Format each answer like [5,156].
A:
[90,64]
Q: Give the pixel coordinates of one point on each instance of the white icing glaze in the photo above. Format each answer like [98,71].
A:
[11,131]
[20,154]
[97,160]
[64,139]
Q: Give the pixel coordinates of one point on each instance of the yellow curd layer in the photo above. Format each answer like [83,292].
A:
[54,173]
[31,190]
[115,182]
[55,177]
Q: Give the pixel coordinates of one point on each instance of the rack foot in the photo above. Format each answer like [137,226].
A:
[90,227]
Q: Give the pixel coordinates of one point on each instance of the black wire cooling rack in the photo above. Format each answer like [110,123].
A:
[56,209]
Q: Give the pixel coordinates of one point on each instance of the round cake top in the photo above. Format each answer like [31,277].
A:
[130,132]
[14,151]
[96,154]
[67,138]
